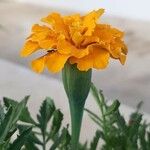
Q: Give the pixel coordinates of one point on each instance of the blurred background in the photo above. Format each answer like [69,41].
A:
[130,83]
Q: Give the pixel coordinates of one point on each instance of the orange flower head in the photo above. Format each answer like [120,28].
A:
[77,39]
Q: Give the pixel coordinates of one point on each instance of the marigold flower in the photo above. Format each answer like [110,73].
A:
[77,39]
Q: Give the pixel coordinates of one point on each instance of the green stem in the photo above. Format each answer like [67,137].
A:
[76,110]
[103,108]
[77,85]
[44,141]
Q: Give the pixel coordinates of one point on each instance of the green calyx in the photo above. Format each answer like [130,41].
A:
[77,85]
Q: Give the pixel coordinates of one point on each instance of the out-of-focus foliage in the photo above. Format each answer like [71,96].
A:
[47,132]
[47,129]
[116,133]
[9,117]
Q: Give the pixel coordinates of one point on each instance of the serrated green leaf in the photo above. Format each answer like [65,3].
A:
[10,133]
[111,109]
[11,118]
[18,109]
[46,112]
[25,115]
[65,143]
[32,138]
[94,117]
[30,146]
[5,145]
[93,114]
[95,94]
[6,124]
[142,136]
[94,143]
[133,130]
[83,146]
[134,124]
[2,114]
[21,139]
[120,121]
[148,139]
[56,123]
[63,140]
[96,121]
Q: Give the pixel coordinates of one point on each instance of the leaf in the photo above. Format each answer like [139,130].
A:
[18,109]
[148,139]
[95,94]
[99,97]
[96,121]
[112,124]
[111,109]
[63,140]
[25,115]
[10,133]
[94,143]
[30,146]
[66,139]
[83,146]
[21,139]
[120,121]
[5,145]
[2,114]
[142,136]
[11,118]
[133,130]
[134,124]
[94,117]
[32,138]
[46,112]
[56,123]
[5,125]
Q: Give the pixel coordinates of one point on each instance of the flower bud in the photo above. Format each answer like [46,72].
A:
[77,85]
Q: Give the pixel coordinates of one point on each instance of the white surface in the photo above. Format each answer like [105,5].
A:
[130,83]
[16,82]
[135,9]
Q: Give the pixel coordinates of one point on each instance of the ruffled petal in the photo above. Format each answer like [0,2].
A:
[68,20]
[83,64]
[37,37]
[57,23]
[65,47]
[117,47]
[29,48]
[98,59]
[89,20]
[77,38]
[122,59]
[56,61]
[117,33]
[40,33]
[48,43]
[38,28]
[38,64]
[104,33]
[90,40]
